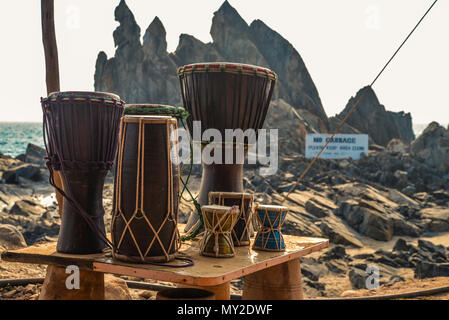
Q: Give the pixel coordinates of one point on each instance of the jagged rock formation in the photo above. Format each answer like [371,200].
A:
[139,73]
[371,117]
[147,72]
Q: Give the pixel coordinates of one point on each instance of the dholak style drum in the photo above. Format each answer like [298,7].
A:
[241,231]
[269,223]
[81,136]
[218,221]
[144,221]
[225,96]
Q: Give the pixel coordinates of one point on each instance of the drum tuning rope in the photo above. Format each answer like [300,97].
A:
[197,227]
[356,104]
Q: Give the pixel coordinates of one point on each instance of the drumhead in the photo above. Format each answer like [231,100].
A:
[148,119]
[271,207]
[148,106]
[227,67]
[155,109]
[217,208]
[86,94]
[230,195]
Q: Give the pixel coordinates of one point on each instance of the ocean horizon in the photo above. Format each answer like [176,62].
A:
[15,136]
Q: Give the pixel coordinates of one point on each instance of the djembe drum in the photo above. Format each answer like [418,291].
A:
[217,240]
[81,136]
[241,231]
[269,223]
[144,222]
[225,96]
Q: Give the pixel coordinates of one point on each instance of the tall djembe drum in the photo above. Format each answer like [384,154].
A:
[144,222]
[224,96]
[81,137]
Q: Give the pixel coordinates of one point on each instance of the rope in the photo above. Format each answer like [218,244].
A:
[198,226]
[354,107]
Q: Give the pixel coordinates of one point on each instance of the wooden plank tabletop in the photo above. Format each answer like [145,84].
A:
[205,272]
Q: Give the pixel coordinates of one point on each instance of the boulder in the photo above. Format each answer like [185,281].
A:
[27,207]
[397,146]
[28,171]
[11,238]
[431,270]
[432,146]
[357,278]
[35,155]
[338,232]
[435,219]
[317,209]
[368,218]
[115,288]
[376,225]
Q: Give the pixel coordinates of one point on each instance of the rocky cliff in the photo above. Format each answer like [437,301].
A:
[144,72]
[372,118]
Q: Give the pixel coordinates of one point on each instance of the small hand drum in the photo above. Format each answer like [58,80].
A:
[241,231]
[269,220]
[218,221]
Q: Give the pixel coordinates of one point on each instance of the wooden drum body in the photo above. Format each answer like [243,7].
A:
[241,231]
[269,223]
[217,240]
[81,137]
[144,223]
[225,96]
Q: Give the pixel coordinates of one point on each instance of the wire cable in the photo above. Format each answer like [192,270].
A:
[354,107]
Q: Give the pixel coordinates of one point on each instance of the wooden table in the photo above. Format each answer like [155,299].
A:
[213,274]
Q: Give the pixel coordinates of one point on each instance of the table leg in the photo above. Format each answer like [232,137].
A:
[281,282]
[54,287]
[222,291]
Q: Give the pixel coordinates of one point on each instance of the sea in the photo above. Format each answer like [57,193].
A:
[15,136]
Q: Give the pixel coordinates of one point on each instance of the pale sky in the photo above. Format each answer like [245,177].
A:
[343,43]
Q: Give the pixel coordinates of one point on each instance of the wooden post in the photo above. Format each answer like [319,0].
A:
[221,292]
[281,282]
[54,287]
[51,68]
[92,283]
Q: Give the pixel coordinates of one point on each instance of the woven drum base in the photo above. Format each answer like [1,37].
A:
[207,254]
[138,259]
[242,244]
[266,249]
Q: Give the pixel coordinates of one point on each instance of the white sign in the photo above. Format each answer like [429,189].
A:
[341,146]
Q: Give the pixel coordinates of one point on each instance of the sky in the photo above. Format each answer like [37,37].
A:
[343,43]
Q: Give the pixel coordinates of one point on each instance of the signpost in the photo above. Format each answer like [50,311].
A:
[342,146]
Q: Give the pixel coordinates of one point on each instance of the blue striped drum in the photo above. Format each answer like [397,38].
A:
[270,219]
